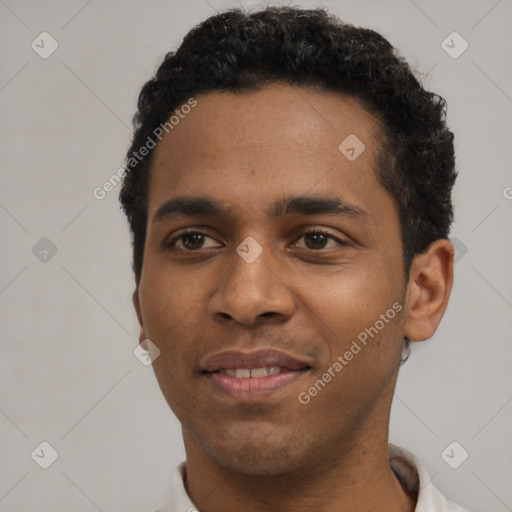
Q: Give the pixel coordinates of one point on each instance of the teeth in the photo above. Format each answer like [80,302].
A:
[264,372]
[246,373]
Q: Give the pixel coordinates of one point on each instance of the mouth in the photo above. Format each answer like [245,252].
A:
[253,376]
[251,373]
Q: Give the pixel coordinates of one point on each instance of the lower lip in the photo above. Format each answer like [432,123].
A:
[253,388]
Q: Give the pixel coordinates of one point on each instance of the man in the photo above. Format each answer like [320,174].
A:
[288,190]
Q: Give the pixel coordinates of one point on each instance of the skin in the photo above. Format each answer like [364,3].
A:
[310,296]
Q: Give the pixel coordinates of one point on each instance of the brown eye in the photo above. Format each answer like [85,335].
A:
[316,240]
[190,241]
[319,239]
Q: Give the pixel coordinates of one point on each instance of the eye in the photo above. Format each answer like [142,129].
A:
[318,239]
[190,241]
[195,240]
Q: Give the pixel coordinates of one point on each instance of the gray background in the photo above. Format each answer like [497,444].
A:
[68,331]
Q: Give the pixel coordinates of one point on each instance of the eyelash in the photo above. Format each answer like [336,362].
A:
[194,231]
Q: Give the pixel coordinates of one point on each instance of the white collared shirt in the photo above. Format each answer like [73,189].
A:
[409,470]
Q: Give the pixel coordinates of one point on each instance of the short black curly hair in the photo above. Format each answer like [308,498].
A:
[239,51]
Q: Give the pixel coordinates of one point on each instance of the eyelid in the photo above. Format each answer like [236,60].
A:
[323,231]
[171,242]
[305,231]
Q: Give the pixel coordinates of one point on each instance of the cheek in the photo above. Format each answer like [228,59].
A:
[349,299]
[169,304]
[169,291]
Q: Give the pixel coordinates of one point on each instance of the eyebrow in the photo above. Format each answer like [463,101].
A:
[186,206]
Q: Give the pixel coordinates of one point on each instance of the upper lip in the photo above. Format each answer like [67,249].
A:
[262,357]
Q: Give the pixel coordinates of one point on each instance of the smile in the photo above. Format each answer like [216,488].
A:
[253,376]
[251,386]
[251,373]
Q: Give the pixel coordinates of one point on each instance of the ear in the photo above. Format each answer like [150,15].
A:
[428,289]
[136,305]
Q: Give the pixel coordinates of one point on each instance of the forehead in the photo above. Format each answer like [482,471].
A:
[260,145]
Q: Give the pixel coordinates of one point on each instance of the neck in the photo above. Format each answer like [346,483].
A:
[356,476]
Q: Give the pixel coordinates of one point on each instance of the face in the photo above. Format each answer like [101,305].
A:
[270,256]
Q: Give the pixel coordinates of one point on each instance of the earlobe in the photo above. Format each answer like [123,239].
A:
[138,311]
[428,290]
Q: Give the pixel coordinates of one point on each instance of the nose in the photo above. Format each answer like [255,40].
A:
[251,293]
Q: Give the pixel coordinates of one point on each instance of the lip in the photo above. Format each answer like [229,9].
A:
[253,359]
[254,388]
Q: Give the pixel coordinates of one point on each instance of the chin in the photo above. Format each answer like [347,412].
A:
[258,461]
[262,456]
